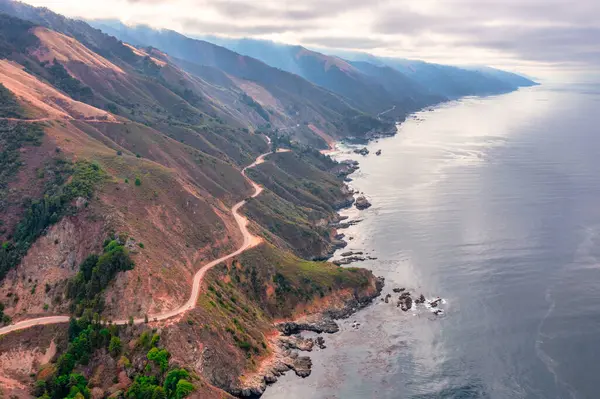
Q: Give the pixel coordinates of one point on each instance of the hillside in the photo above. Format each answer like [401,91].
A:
[407,84]
[278,91]
[446,80]
[121,176]
[338,76]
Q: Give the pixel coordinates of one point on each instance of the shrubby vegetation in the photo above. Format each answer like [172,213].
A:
[48,210]
[95,273]
[249,101]
[4,319]
[9,107]
[61,79]
[159,381]
[86,335]
[295,280]
[89,336]
[278,141]
[13,137]
[15,36]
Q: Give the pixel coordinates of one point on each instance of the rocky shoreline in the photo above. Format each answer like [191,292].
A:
[287,345]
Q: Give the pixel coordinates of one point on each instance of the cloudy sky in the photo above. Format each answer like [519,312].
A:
[540,37]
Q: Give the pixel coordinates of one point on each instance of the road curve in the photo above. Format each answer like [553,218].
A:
[250,241]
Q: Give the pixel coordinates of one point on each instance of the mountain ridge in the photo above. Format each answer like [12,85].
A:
[279,53]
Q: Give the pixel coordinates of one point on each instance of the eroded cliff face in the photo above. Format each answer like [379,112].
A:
[24,354]
[36,286]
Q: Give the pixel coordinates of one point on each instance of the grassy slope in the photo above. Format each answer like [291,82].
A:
[300,199]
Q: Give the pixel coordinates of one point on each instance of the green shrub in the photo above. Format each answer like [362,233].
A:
[160,357]
[155,339]
[4,319]
[244,345]
[115,346]
[138,181]
[95,273]
[184,388]
[172,379]
[61,79]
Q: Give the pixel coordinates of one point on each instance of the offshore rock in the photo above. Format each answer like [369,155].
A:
[362,203]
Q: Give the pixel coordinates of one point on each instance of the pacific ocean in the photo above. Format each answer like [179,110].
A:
[493,204]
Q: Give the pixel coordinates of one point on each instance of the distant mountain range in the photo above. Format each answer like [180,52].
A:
[368,83]
[441,80]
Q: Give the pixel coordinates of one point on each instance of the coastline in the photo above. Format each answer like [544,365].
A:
[349,337]
[286,341]
[289,341]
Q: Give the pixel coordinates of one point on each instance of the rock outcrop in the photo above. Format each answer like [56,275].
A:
[362,151]
[362,203]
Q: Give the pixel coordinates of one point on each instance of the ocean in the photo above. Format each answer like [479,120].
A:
[492,204]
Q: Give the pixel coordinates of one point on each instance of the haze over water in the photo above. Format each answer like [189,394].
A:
[494,205]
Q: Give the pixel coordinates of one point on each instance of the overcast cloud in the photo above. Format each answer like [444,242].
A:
[534,36]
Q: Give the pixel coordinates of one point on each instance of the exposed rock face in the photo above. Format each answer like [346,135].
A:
[346,200]
[320,342]
[346,168]
[301,366]
[286,358]
[320,325]
[362,203]
[297,342]
[345,225]
[435,303]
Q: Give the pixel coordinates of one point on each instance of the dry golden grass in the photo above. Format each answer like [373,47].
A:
[65,49]
[43,99]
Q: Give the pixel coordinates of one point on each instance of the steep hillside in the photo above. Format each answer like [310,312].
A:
[302,101]
[357,85]
[448,81]
[119,198]
[156,90]
[405,84]
[57,209]
[241,350]
[432,82]
[332,73]
[299,202]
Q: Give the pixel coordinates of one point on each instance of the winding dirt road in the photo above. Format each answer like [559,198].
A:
[250,241]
